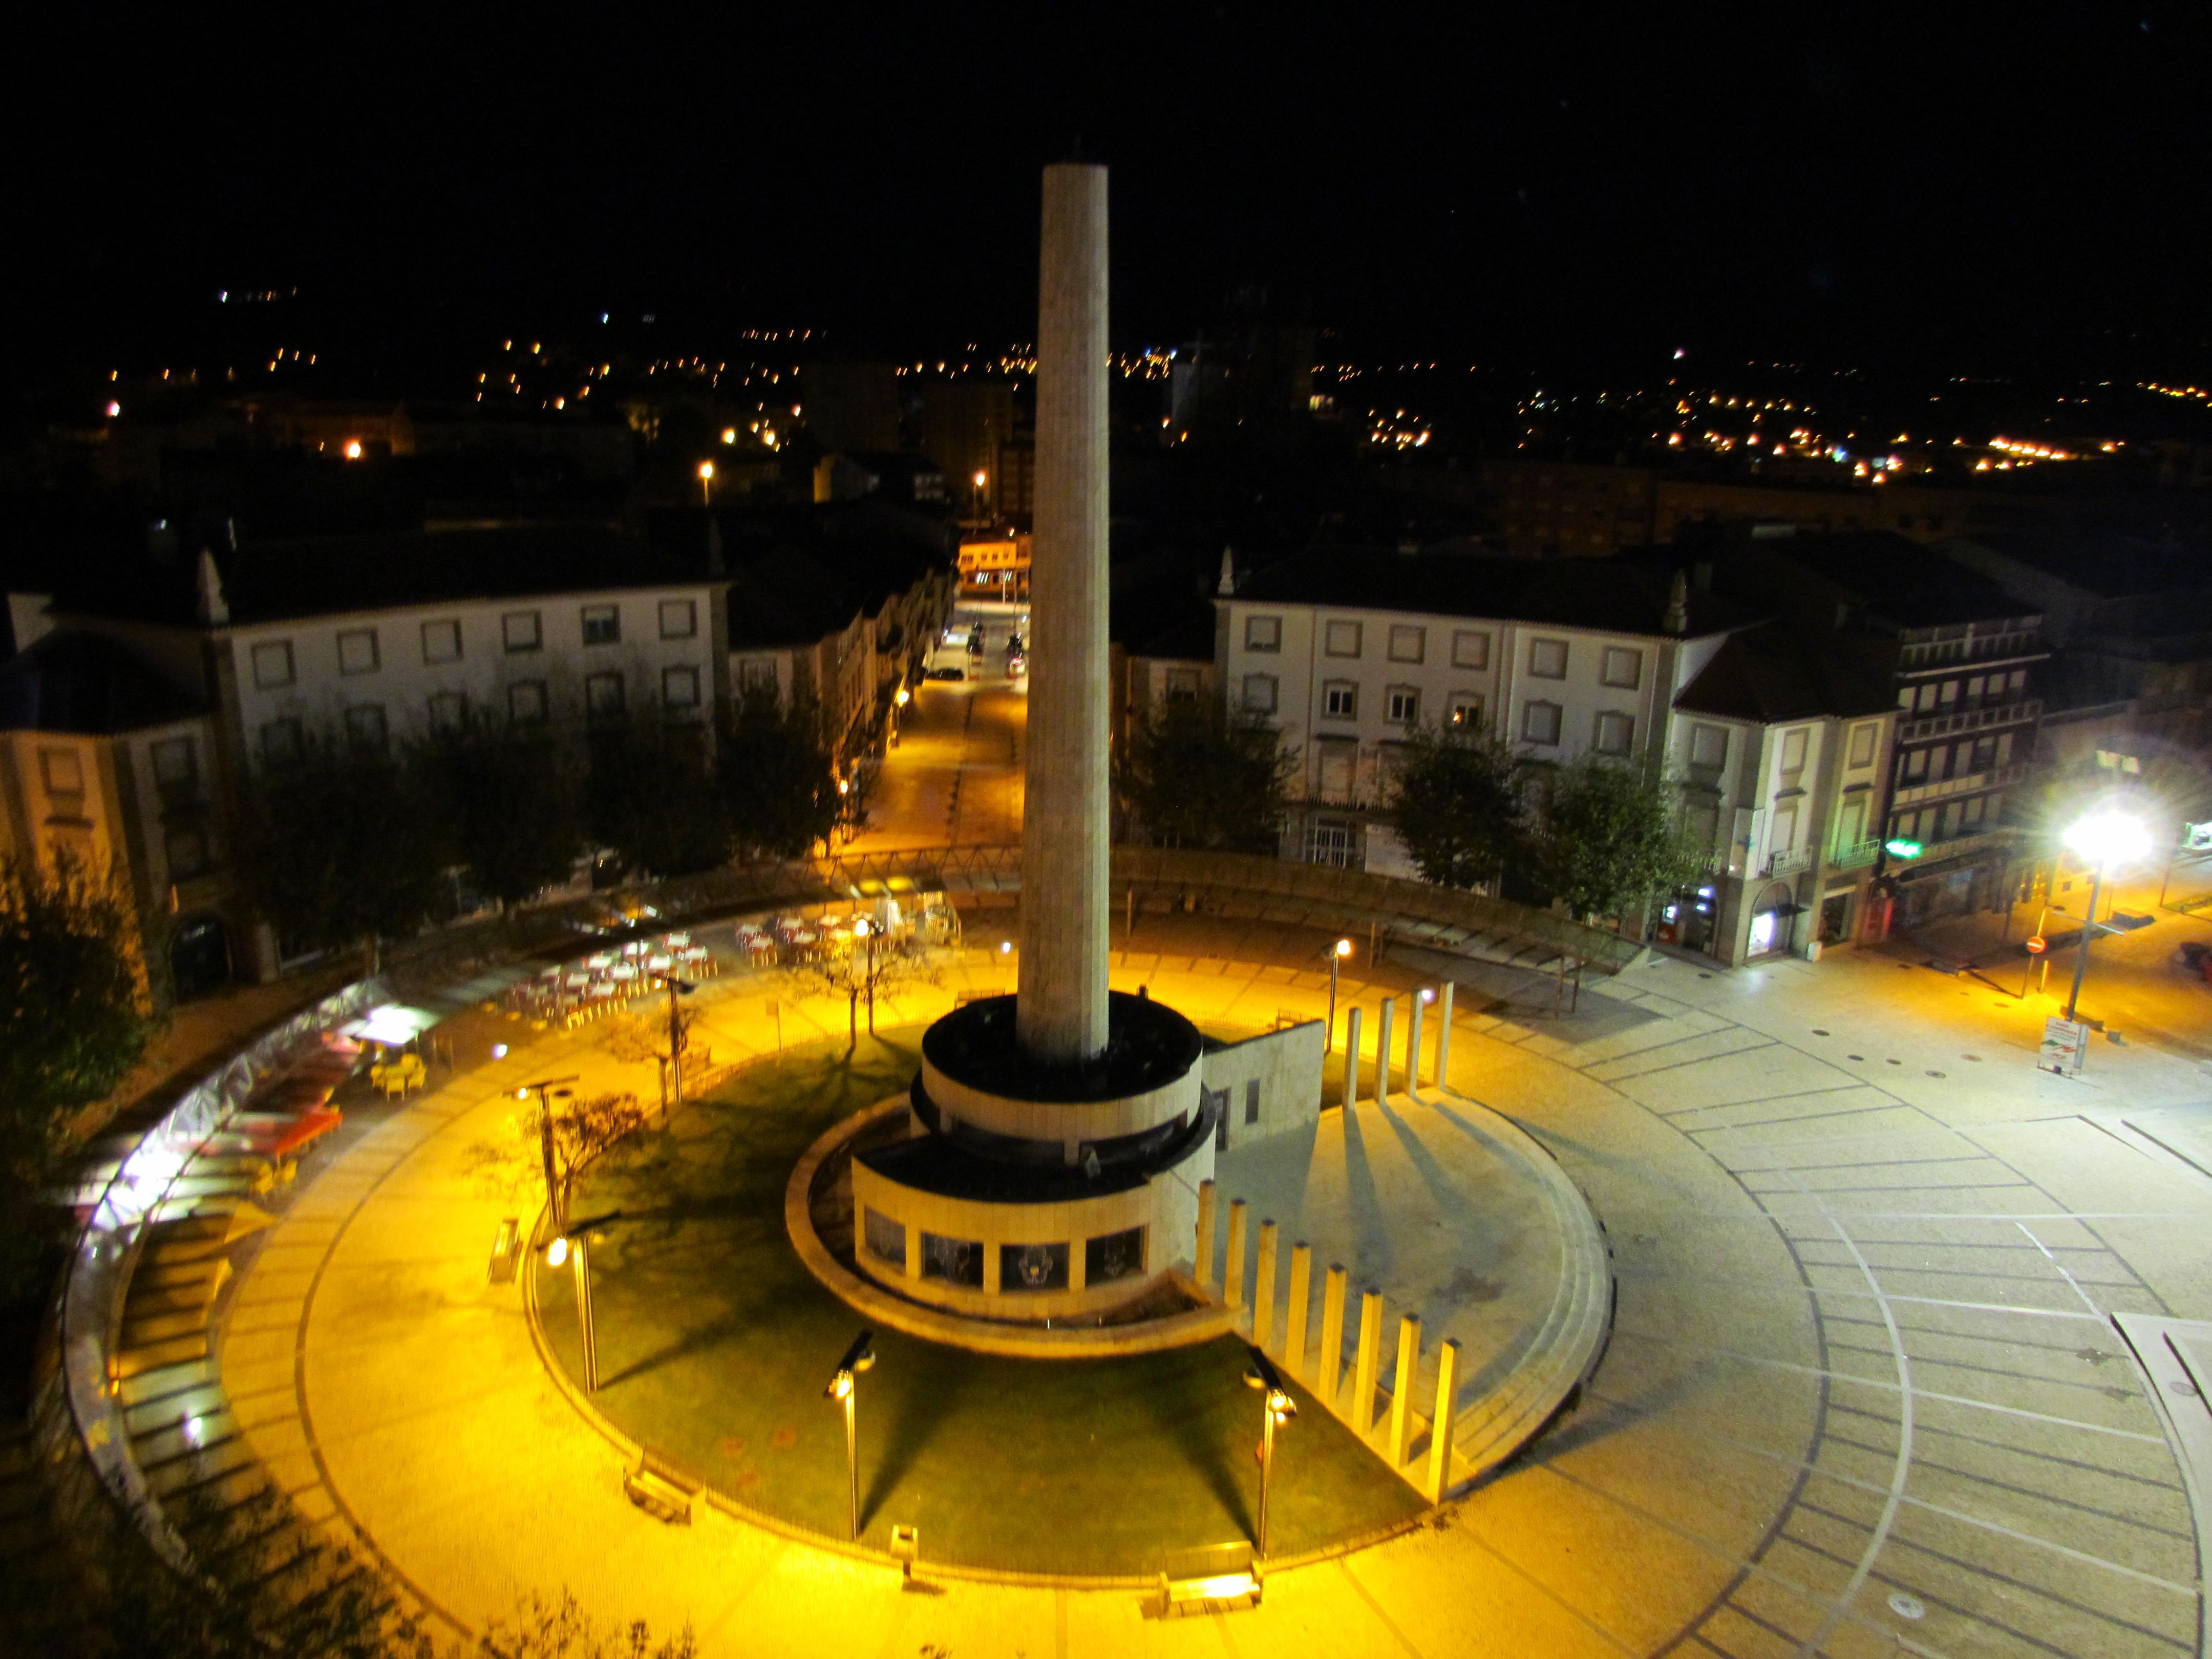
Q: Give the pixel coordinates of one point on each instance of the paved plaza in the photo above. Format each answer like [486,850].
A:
[1862,1393]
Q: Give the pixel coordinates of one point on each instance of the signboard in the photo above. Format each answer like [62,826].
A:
[1902,849]
[2064,1041]
[2038,946]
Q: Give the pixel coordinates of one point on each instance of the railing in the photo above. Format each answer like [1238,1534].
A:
[1972,719]
[1788,864]
[1855,854]
[1991,778]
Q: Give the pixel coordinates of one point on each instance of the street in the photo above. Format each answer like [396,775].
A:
[954,776]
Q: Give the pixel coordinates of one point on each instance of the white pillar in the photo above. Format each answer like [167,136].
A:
[1401,1388]
[1263,1288]
[1443,1037]
[1413,1046]
[1301,1307]
[1328,1371]
[1232,1278]
[1440,1432]
[1351,1059]
[1202,1266]
[1061,1014]
[1382,1024]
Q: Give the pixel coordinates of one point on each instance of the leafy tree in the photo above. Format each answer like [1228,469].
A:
[562,1629]
[74,1015]
[777,775]
[853,971]
[1197,774]
[1606,837]
[509,804]
[1457,799]
[341,846]
[642,1039]
[548,1147]
[653,799]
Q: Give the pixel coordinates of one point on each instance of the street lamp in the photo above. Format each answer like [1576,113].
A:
[677,988]
[1337,952]
[857,1359]
[707,484]
[1276,1406]
[862,929]
[546,1091]
[2105,837]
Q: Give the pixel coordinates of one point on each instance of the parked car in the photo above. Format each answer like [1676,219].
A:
[945,671]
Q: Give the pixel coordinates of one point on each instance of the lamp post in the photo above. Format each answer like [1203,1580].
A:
[862,929]
[1276,1406]
[857,1359]
[547,1091]
[705,483]
[2105,837]
[677,988]
[1337,952]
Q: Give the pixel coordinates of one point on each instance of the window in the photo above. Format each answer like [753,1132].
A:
[1115,1255]
[1252,1100]
[365,729]
[1709,746]
[1263,633]
[756,674]
[886,1236]
[1862,739]
[357,652]
[272,664]
[1407,642]
[1916,765]
[602,624]
[1466,711]
[1470,648]
[449,711]
[1260,693]
[1948,695]
[185,848]
[1539,723]
[1182,685]
[1784,839]
[1971,814]
[1331,843]
[442,641]
[281,744]
[1904,698]
[956,1260]
[1032,1267]
[1339,700]
[520,630]
[602,696]
[2018,683]
[177,766]
[526,702]
[679,688]
[1974,687]
[1342,639]
[1404,706]
[1616,732]
[679,618]
[1793,750]
[1547,659]
[1927,702]
[62,771]
[1621,667]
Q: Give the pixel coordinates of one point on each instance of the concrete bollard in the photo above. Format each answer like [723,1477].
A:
[1401,1388]
[1203,1260]
[1263,1288]
[1440,1432]
[1328,1374]
[1368,1362]
[1443,1036]
[1294,1327]
[1233,1279]
[1351,1057]
[1385,1019]
[1413,1046]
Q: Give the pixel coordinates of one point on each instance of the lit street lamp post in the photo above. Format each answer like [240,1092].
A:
[707,484]
[677,988]
[863,930]
[547,1093]
[1337,952]
[2104,838]
[857,1359]
[1276,1406]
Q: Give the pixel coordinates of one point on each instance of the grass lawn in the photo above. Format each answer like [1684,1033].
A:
[715,1344]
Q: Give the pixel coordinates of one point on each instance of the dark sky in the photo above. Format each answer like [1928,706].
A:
[1945,186]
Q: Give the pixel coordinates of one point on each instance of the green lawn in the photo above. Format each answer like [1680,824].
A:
[715,1344]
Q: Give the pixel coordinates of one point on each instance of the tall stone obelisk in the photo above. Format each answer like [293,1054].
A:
[1061,1008]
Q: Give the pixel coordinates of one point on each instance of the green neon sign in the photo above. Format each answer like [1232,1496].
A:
[1902,849]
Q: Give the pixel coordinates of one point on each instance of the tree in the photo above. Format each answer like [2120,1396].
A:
[777,775]
[551,1145]
[640,1039]
[342,846]
[654,798]
[1457,799]
[1197,774]
[562,1629]
[1606,837]
[510,802]
[74,1015]
[853,971]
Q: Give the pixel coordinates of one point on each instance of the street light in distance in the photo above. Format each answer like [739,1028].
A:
[2105,837]
[1276,1406]
[858,1357]
[1337,953]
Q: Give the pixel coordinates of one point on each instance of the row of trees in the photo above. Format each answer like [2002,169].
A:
[342,846]
[1600,834]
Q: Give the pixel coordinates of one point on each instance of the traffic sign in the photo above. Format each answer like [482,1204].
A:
[2038,946]
[2064,1042]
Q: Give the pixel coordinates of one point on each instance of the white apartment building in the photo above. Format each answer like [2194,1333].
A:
[1348,653]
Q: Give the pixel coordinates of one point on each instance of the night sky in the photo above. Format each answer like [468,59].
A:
[1946,188]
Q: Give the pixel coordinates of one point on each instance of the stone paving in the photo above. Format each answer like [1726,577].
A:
[1864,1395]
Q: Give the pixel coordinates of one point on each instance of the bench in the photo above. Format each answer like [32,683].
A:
[1215,1578]
[661,1490]
[506,1253]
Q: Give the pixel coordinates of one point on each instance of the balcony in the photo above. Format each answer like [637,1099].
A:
[1855,854]
[1967,783]
[1970,719]
[1788,864]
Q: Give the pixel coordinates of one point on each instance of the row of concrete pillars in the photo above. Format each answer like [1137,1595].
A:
[1393,1437]
[1385,1019]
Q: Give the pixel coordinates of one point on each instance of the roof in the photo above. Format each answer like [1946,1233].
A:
[1604,594]
[1771,673]
[323,575]
[2103,562]
[87,684]
[1174,625]
[798,573]
[1898,579]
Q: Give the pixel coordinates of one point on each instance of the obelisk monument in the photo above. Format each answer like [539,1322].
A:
[1062,1002]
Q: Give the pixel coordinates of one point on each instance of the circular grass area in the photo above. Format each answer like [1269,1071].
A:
[715,1345]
